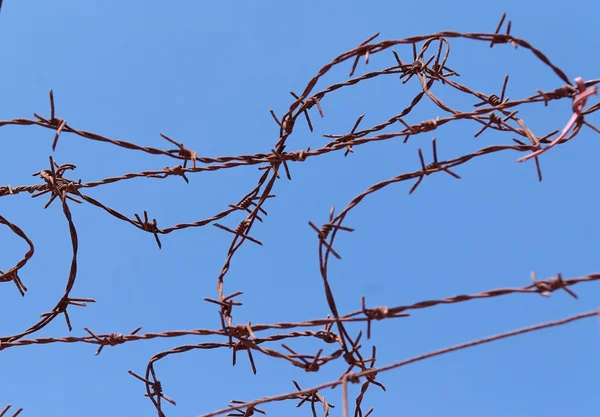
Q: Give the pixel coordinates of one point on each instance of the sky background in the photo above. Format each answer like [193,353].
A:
[206,73]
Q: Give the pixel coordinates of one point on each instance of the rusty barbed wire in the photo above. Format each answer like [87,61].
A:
[542,287]
[353,378]
[496,112]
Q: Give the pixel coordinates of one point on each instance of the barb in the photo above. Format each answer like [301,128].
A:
[5,410]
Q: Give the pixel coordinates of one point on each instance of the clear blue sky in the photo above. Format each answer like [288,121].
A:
[206,73]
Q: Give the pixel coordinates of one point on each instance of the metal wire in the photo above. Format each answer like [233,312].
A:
[491,111]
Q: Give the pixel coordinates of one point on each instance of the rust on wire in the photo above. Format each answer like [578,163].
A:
[333,340]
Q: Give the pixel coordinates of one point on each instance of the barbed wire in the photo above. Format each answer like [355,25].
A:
[489,112]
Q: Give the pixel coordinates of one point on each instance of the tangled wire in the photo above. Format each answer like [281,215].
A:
[490,112]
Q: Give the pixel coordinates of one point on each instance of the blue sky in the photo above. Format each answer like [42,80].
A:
[206,73]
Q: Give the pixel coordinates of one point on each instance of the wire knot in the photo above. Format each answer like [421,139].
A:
[148,226]
[176,170]
[550,285]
